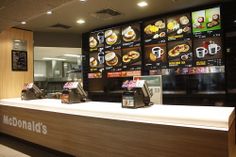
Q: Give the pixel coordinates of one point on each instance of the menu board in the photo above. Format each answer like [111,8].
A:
[113,38]
[178,27]
[131,36]
[206,20]
[155,31]
[208,51]
[155,56]
[180,53]
[96,54]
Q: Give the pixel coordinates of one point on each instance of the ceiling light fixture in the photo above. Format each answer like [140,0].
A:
[49,12]
[142,4]
[23,22]
[80,21]
[235,21]
[56,59]
[82,0]
[72,55]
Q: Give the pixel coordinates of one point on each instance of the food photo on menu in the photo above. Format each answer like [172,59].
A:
[131,56]
[113,59]
[154,30]
[112,38]
[96,40]
[131,35]
[155,55]
[206,20]
[178,27]
[208,51]
[180,53]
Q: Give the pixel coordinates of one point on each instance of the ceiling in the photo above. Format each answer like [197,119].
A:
[68,11]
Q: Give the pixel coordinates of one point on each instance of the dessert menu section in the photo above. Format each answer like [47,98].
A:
[96,54]
[180,53]
[179,27]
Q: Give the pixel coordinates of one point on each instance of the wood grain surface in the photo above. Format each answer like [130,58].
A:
[96,137]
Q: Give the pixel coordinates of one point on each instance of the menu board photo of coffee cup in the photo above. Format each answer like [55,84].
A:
[155,31]
[180,53]
[112,38]
[206,20]
[96,40]
[131,35]
[208,51]
[155,55]
[178,27]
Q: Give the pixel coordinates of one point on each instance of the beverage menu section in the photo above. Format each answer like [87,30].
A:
[187,40]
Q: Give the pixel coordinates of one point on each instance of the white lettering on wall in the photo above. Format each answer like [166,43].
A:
[33,126]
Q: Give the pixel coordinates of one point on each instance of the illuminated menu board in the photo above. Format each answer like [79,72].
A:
[131,50]
[96,54]
[155,44]
[207,37]
[178,27]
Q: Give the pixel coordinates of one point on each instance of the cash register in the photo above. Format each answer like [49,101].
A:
[136,94]
[30,91]
[73,92]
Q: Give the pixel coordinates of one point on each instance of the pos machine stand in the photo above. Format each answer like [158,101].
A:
[73,93]
[30,91]
[136,94]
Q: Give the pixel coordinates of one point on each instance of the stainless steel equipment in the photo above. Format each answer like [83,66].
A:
[31,91]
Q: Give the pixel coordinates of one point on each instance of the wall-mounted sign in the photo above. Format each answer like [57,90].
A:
[20,45]
[19,60]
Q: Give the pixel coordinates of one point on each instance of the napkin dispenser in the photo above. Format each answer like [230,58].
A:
[136,94]
[30,91]
[73,93]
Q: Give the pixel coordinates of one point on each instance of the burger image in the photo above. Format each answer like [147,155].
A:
[111,37]
[92,42]
[93,62]
[129,34]
[111,58]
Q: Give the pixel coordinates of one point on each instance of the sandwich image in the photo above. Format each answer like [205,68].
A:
[111,37]
[93,62]
[128,34]
[92,42]
[111,58]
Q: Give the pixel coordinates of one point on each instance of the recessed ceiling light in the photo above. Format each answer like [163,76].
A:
[49,12]
[142,4]
[82,0]
[80,21]
[23,22]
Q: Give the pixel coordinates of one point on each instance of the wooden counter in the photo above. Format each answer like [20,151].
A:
[99,129]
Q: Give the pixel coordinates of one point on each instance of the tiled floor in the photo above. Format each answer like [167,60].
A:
[13,147]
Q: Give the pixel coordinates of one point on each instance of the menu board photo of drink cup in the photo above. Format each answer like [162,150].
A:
[208,51]
[178,27]
[155,31]
[113,38]
[131,35]
[155,56]
[96,62]
[206,20]
[180,53]
[96,40]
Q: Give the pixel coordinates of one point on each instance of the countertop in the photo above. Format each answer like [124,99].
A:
[203,117]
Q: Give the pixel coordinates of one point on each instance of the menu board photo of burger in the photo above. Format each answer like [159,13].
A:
[131,35]
[180,53]
[155,56]
[178,27]
[208,51]
[206,20]
[155,31]
[113,38]
[96,40]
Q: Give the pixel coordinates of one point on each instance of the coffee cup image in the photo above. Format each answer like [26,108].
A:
[100,37]
[201,52]
[213,49]
[157,51]
[100,58]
